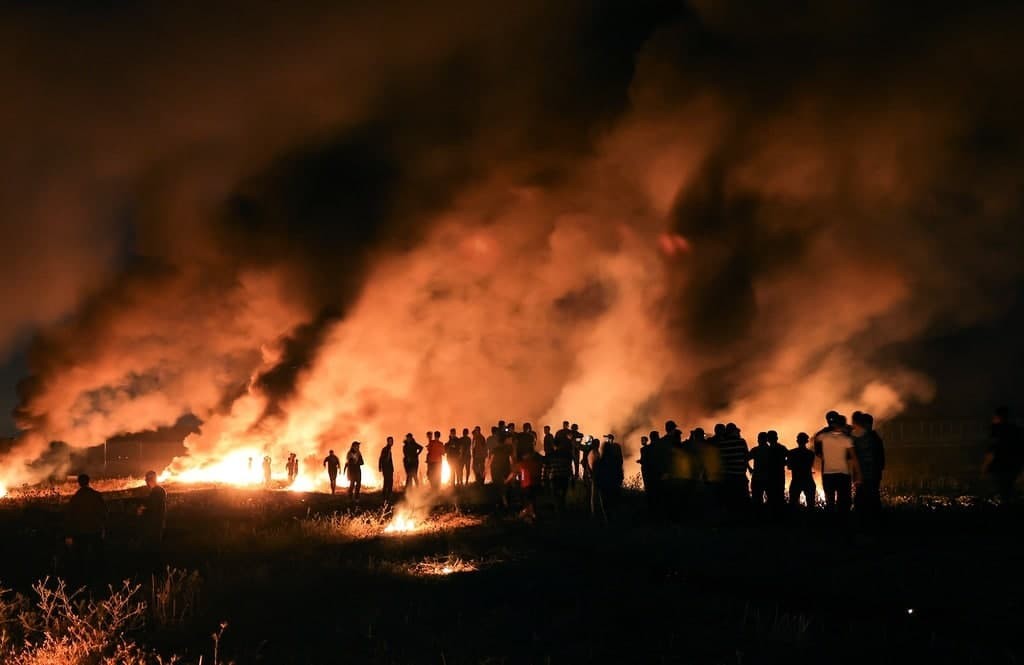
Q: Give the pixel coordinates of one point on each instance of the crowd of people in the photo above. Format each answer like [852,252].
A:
[681,474]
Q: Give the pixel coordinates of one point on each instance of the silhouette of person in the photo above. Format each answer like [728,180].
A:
[870,452]
[453,453]
[354,470]
[411,460]
[559,462]
[84,519]
[529,481]
[591,445]
[658,482]
[800,461]
[501,464]
[759,462]
[565,433]
[733,451]
[465,456]
[647,467]
[776,478]
[547,446]
[435,458]
[673,436]
[680,481]
[266,469]
[644,442]
[152,520]
[708,469]
[290,468]
[333,464]
[606,464]
[480,452]
[1004,458]
[579,450]
[526,441]
[386,466]
[834,448]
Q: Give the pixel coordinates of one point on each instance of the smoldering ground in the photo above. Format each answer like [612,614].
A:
[331,223]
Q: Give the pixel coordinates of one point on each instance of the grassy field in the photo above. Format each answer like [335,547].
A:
[310,578]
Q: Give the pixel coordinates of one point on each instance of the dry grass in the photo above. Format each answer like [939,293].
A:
[61,626]
[58,490]
[440,566]
[174,597]
[360,525]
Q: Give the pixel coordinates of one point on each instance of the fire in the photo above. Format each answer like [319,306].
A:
[402,522]
[3,490]
[238,467]
[446,473]
[304,483]
[243,467]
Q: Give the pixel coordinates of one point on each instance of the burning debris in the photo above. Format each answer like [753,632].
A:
[441,566]
[402,523]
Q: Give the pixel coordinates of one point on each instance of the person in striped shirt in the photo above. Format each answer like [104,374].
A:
[733,450]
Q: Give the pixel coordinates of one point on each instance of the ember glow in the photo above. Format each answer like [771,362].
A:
[403,522]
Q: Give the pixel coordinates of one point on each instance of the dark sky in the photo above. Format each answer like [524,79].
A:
[194,202]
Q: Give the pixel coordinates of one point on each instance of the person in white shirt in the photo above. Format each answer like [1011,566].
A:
[834,448]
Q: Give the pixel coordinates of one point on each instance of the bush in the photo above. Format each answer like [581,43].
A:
[65,627]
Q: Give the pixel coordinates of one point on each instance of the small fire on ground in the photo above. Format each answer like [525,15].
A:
[402,523]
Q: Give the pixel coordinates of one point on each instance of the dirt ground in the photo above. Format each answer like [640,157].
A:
[938,580]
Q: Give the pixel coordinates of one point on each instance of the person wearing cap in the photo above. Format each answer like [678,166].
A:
[870,451]
[354,470]
[800,461]
[1004,458]
[834,448]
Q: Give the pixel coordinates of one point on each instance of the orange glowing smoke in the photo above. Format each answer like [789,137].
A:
[673,244]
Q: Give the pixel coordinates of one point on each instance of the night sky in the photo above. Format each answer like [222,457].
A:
[257,213]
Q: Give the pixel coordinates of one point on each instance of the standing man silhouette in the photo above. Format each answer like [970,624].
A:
[333,464]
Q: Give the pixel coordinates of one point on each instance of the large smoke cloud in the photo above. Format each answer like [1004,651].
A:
[337,223]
